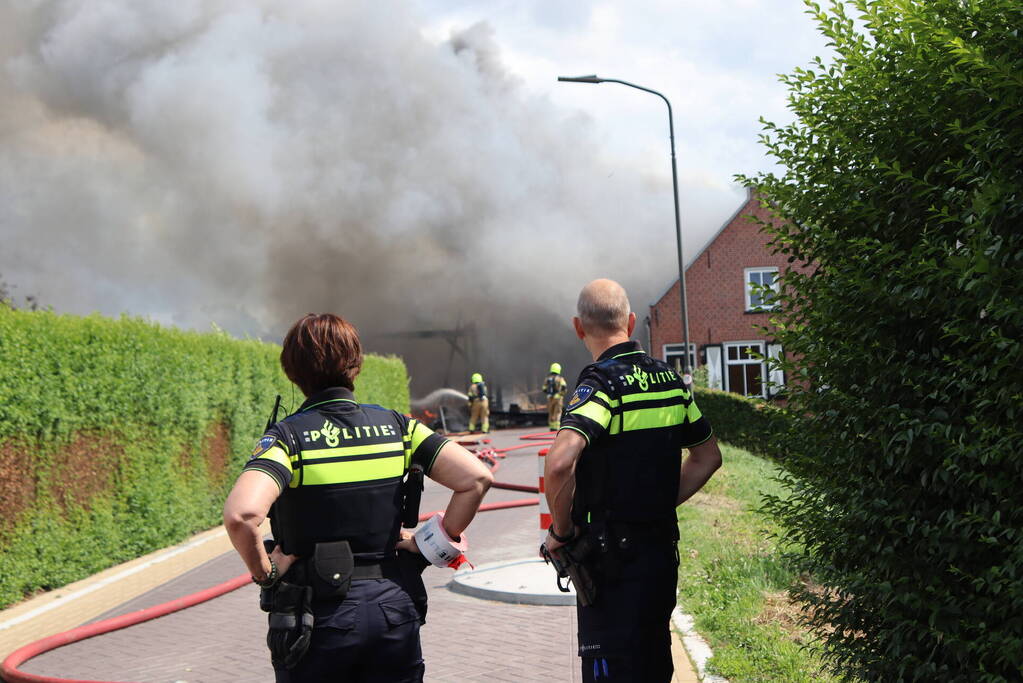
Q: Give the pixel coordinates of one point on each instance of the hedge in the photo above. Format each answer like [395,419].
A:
[119,437]
[748,423]
[899,176]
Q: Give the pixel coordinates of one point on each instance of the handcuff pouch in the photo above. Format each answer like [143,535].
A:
[330,570]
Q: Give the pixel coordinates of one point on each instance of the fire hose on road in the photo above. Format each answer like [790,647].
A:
[9,669]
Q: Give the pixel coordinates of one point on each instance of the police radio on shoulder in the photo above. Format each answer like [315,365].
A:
[435,544]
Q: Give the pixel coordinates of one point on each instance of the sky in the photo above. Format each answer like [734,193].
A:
[717,62]
[410,165]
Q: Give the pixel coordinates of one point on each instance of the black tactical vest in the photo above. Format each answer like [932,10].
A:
[637,416]
[348,462]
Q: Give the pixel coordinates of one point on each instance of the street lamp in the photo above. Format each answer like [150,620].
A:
[687,377]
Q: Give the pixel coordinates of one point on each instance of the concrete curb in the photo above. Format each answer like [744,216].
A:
[696,647]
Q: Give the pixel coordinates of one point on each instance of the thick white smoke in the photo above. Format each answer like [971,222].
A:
[247,162]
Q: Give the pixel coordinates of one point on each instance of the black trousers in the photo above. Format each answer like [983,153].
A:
[626,635]
[373,635]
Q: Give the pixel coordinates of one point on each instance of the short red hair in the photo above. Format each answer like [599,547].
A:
[321,351]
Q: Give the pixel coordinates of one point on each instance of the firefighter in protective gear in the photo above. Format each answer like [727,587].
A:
[554,386]
[479,404]
[613,478]
[341,582]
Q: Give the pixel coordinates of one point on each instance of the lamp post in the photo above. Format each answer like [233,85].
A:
[687,377]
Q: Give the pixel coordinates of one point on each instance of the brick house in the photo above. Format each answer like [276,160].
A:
[725,310]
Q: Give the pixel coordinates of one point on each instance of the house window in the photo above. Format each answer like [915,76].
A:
[757,298]
[745,372]
[674,355]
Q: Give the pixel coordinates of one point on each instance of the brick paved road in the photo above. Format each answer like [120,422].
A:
[465,639]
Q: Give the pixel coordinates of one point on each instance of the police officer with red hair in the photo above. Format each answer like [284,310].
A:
[344,600]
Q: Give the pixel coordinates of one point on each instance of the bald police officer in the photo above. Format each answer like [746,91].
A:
[614,477]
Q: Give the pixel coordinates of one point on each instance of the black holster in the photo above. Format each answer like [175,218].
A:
[413,493]
[411,566]
[574,562]
[291,623]
[327,575]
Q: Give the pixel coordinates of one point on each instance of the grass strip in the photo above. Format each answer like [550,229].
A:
[733,578]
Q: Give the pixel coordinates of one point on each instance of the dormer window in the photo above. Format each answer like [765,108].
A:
[760,284]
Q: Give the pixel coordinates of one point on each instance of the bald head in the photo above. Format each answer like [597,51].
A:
[603,308]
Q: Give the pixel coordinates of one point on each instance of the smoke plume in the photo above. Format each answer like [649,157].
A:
[247,162]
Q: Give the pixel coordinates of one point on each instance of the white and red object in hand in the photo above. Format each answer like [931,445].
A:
[437,547]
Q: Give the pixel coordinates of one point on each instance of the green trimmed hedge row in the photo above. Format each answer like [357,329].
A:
[119,437]
[748,423]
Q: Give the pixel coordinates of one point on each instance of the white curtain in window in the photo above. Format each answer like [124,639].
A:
[714,367]
[776,376]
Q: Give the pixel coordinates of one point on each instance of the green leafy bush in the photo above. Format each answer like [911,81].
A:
[119,437]
[748,423]
[903,183]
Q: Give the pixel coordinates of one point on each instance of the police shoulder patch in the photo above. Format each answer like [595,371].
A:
[265,444]
[581,394]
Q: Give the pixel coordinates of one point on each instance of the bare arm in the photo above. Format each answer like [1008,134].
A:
[703,460]
[469,480]
[244,511]
[559,480]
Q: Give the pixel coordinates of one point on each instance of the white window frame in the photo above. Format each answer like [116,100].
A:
[759,347]
[678,350]
[747,286]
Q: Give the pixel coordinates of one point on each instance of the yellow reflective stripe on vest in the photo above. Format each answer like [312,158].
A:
[406,441]
[390,462]
[277,454]
[354,471]
[655,395]
[595,412]
[312,456]
[635,416]
[419,433]
[651,418]
[615,427]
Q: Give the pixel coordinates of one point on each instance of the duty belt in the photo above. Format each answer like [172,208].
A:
[644,531]
[332,568]
[369,571]
[379,569]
